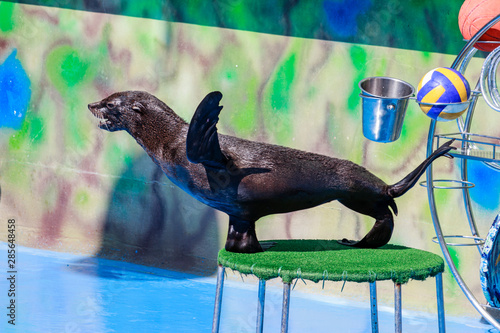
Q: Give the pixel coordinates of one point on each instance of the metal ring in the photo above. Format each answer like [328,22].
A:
[464,184]
[478,240]
[467,102]
[381,97]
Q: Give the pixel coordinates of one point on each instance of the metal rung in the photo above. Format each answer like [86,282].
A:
[462,184]
[465,104]
[473,146]
[477,240]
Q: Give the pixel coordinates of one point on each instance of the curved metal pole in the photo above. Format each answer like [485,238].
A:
[467,58]
[468,205]
[439,234]
[465,175]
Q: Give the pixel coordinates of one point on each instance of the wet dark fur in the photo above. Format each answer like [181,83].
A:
[247,179]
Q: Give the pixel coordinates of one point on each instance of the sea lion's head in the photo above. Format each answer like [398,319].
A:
[127,110]
[119,111]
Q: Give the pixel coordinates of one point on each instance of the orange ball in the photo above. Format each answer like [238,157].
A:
[473,15]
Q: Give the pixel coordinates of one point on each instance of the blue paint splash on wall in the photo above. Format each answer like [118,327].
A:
[342,15]
[15,93]
[487,182]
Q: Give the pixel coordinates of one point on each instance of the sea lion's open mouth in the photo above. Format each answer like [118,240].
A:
[104,122]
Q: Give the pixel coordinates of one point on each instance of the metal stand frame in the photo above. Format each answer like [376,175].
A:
[373,306]
[286,308]
[460,64]
[398,315]
[285,312]
[260,306]
[218,299]
[440,302]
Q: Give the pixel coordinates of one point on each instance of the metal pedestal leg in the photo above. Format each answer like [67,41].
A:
[398,318]
[260,306]
[373,306]
[286,307]
[440,302]
[218,299]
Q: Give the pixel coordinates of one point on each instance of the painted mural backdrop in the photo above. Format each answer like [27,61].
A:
[425,25]
[72,187]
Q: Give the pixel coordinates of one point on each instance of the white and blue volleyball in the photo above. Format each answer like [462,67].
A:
[443,85]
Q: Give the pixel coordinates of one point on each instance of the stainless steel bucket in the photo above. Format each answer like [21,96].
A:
[385,100]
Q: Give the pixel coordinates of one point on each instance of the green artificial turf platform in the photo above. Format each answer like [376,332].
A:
[319,260]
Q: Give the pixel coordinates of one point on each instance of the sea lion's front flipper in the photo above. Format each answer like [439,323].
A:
[241,237]
[202,142]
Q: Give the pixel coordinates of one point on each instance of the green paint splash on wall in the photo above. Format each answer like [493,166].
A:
[244,115]
[359,58]
[16,141]
[32,129]
[116,156]
[73,69]
[279,115]
[443,198]
[6,16]
[37,132]
[82,198]
[454,256]
[280,93]
[66,68]
[75,133]
[238,77]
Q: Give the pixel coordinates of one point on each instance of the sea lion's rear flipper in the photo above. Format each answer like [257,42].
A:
[202,142]
[381,232]
[378,236]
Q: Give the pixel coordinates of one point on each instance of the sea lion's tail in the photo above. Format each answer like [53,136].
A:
[411,179]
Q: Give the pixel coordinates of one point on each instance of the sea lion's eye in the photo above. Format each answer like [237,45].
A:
[110,105]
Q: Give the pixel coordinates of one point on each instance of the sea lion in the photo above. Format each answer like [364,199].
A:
[248,180]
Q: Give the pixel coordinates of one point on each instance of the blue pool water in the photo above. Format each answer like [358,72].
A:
[59,292]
